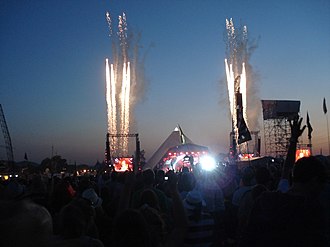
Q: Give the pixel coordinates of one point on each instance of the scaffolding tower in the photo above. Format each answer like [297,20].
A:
[277,132]
[8,145]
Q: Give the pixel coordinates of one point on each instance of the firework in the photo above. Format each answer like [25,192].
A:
[118,78]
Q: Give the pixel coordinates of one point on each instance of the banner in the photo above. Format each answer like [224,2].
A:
[309,127]
[243,131]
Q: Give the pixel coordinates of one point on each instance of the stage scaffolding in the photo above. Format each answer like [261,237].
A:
[277,132]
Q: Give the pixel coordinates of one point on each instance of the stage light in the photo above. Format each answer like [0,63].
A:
[208,163]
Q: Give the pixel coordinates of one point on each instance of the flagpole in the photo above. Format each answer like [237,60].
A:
[328,135]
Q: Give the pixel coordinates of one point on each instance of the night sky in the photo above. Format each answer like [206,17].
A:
[52,67]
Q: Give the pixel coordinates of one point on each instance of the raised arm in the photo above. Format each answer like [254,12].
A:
[296,132]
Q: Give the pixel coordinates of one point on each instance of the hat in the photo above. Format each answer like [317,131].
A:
[91,196]
[193,200]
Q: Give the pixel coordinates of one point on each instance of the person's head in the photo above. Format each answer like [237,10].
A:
[193,204]
[14,190]
[186,182]
[155,223]
[258,190]
[148,196]
[37,185]
[326,162]
[73,222]
[84,184]
[131,230]
[148,177]
[310,173]
[247,175]
[24,223]
[160,176]
[75,218]
[90,195]
[185,169]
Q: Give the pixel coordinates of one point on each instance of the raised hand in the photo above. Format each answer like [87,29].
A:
[296,129]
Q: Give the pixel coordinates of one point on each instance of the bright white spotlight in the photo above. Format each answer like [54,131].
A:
[208,163]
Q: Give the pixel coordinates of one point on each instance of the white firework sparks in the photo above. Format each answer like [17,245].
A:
[120,85]
[235,69]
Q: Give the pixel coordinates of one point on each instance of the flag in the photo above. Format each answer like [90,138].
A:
[243,131]
[309,127]
[324,107]
[25,156]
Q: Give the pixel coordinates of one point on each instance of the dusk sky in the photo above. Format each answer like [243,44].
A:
[52,68]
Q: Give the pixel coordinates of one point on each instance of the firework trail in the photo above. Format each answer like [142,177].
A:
[111,101]
[108,95]
[108,19]
[122,34]
[118,80]
[244,92]
[230,82]
[114,105]
[240,76]
[231,45]
[127,96]
[235,67]
[124,121]
[123,84]
[125,93]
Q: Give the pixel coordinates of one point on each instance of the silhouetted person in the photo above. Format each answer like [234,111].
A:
[294,218]
[131,230]
[201,224]
[24,224]
[144,226]
[77,226]
[149,181]
[262,177]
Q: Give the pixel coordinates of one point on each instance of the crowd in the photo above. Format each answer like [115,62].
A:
[254,206]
